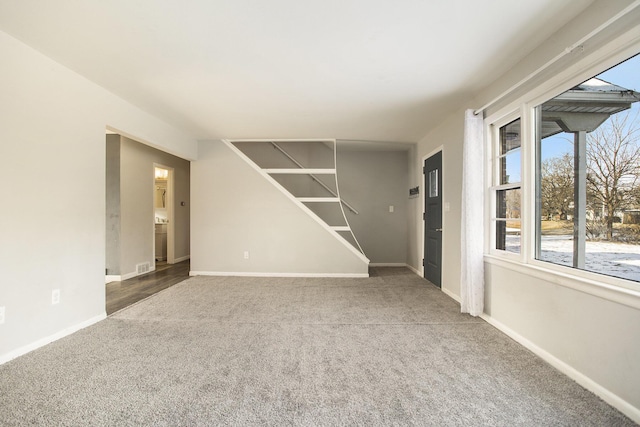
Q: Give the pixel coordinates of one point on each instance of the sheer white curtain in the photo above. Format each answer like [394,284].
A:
[472,228]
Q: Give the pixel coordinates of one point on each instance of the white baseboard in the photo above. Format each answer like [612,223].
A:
[258,274]
[415,270]
[46,340]
[116,278]
[387,264]
[451,295]
[605,394]
[182,258]
[112,278]
[132,275]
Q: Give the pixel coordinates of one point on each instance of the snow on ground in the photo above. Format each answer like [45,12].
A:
[610,258]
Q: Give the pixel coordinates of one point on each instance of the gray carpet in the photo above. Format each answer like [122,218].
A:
[387,350]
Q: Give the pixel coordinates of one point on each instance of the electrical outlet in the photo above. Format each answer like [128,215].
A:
[392,208]
[246,254]
[1,315]
[55,296]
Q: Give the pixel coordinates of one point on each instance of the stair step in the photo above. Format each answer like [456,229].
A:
[301,171]
[318,199]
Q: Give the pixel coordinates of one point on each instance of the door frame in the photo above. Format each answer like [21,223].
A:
[171,259]
[439,149]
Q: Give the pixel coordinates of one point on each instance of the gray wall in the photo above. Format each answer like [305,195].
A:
[113,205]
[235,209]
[136,187]
[371,181]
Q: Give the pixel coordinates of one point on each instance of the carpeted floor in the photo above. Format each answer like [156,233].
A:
[387,350]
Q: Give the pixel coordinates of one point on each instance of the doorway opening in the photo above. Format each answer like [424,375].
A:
[163,218]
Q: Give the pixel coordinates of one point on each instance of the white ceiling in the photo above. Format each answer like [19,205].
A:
[352,69]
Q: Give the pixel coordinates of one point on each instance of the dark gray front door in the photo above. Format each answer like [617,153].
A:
[433,219]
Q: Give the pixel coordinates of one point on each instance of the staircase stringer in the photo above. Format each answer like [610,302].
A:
[335,165]
[291,197]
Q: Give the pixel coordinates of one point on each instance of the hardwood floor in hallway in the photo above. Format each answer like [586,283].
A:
[123,294]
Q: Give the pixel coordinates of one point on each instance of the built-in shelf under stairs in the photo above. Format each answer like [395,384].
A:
[306,171]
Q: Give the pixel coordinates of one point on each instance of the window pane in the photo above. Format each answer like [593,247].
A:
[510,137]
[508,203]
[508,220]
[556,197]
[510,168]
[556,177]
[508,236]
[590,219]
[510,153]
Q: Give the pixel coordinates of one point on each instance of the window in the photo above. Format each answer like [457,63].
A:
[507,188]
[587,170]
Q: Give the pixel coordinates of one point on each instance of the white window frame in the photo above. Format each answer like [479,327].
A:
[494,182]
[615,289]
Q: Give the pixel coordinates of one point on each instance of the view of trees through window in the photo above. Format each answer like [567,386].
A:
[508,189]
[588,159]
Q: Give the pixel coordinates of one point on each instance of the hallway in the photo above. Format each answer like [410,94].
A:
[123,294]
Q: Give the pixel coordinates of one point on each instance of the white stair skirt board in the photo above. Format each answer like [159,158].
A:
[4,358]
[258,274]
[358,253]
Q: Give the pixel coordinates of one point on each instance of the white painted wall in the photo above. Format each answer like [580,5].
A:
[595,337]
[592,339]
[52,224]
[52,125]
[235,209]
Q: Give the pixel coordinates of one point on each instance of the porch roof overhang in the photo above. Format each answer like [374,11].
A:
[585,107]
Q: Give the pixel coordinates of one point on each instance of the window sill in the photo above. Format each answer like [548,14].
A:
[611,292]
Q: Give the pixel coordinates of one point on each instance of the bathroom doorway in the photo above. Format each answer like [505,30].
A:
[163,219]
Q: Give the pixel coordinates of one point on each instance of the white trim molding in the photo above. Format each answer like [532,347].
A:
[123,277]
[451,295]
[574,279]
[264,274]
[51,338]
[182,258]
[388,264]
[415,270]
[605,394]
